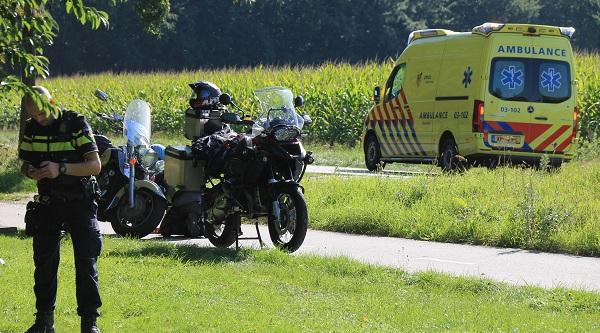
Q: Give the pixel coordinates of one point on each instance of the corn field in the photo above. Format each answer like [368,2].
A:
[337,95]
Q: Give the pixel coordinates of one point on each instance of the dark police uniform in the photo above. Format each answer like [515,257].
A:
[67,205]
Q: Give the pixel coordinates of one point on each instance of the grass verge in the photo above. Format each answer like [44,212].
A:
[507,207]
[13,185]
[150,286]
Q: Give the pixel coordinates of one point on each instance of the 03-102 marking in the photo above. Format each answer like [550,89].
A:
[510,110]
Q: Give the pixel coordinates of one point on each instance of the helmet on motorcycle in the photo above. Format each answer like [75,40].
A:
[205,95]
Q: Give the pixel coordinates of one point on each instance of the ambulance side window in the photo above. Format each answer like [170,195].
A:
[394,84]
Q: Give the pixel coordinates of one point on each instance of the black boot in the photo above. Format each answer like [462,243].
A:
[44,323]
[88,325]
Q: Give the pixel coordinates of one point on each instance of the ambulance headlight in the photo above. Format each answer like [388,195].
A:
[286,133]
[567,31]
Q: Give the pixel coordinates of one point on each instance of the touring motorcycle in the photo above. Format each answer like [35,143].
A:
[225,176]
[130,197]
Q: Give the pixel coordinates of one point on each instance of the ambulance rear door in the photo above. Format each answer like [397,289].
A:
[506,120]
[551,129]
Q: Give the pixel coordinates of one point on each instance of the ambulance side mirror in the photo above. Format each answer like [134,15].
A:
[377,94]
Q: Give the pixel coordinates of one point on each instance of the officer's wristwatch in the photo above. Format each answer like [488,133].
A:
[62,169]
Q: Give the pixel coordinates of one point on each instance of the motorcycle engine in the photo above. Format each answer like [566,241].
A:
[221,208]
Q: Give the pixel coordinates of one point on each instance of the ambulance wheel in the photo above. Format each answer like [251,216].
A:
[555,166]
[449,159]
[372,152]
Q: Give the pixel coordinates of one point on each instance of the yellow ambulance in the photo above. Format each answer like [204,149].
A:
[502,92]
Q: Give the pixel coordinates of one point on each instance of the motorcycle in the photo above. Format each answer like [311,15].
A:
[130,196]
[254,175]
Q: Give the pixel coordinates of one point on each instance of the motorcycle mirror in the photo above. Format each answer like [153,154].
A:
[298,101]
[101,95]
[230,117]
[307,120]
[225,99]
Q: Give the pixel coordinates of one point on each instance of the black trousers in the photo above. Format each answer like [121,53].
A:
[79,218]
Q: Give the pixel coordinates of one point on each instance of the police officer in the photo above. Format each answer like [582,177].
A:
[59,152]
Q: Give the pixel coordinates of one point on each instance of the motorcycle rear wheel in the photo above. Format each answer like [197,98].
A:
[143,218]
[289,229]
[223,234]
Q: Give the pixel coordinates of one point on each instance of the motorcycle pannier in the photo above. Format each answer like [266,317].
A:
[198,125]
[182,171]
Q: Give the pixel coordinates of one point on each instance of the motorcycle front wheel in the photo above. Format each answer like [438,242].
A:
[288,218]
[223,234]
[143,218]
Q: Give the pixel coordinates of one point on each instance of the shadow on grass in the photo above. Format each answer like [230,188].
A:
[184,253]
[20,234]
[159,249]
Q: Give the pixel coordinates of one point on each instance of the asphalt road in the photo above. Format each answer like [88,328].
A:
[513,266]
[343,171]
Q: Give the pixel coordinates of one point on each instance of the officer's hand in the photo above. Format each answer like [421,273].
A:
[48,170]
[33,173]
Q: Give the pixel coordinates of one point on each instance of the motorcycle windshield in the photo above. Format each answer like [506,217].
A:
[276,108]
[137,123]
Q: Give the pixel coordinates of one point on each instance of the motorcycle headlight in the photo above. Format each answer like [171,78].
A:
[286,133]
[159,166]
[148,157]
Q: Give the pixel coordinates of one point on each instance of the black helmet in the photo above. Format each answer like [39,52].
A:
[205,95]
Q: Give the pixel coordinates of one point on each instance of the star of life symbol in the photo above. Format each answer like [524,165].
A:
[512,77]
[467,77]
[550,80]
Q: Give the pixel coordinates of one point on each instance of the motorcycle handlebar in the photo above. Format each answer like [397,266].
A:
[114,118]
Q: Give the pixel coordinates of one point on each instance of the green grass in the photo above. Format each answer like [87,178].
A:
[13,185]
[150,286]
[507,207]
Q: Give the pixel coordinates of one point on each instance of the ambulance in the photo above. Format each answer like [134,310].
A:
[500,93]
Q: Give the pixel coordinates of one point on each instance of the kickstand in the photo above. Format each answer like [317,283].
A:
[238,238]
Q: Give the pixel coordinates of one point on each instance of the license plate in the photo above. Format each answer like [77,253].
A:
[507,140]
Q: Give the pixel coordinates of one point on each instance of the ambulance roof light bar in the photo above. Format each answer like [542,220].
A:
[418,34]
[488,27]
[567,31]
[527,29]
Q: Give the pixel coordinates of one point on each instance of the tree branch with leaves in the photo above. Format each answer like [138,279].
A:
[27,27]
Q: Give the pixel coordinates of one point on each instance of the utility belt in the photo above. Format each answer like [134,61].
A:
[87,188]
[39,214]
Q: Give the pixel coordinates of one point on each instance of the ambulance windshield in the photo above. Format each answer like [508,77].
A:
[530,80]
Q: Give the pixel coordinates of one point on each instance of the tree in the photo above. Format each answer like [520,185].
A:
[27,27]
